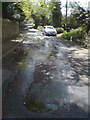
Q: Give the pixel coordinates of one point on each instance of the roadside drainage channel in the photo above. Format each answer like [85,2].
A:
[11,49]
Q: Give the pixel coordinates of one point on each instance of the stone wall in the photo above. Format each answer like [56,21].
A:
[10,29]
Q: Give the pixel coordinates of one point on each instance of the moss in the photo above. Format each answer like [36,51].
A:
[22,65]
[37,107]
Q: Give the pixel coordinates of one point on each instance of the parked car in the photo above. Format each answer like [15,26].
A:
[29,25]
[49,30]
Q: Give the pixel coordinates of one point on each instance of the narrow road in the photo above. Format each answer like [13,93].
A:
[40,82]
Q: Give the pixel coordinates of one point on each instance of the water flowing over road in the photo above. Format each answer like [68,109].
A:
[39,81]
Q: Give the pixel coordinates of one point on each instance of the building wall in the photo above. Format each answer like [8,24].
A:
[10,29]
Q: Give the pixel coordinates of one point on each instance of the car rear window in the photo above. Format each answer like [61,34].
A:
[50,27]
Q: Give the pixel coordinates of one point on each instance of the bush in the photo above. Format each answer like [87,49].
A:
[59,30]
[40,27]
[77,35]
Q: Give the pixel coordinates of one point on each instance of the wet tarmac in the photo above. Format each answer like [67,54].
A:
[39,81]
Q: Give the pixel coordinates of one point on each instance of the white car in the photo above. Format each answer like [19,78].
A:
[49,30]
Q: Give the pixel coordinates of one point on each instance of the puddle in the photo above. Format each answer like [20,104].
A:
[39,107]
[42,76]
[20,56]
[52,106]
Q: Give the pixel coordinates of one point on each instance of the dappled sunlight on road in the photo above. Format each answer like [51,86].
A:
[45,79]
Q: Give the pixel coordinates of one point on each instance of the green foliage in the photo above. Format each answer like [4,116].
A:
[12,11]
[60,30]
[25,7]
[56,14]
[77,35]
[4,8]
[40,27]
[46,13]
[82,15]
[40,13]
[71,22]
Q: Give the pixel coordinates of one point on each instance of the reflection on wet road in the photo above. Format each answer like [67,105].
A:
[39,80]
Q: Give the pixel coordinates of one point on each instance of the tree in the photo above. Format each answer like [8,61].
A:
[12,11]
[26,7]
[56,14]
[4,9]
[41,14]
[81,15]
[71,22]
[47,13]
